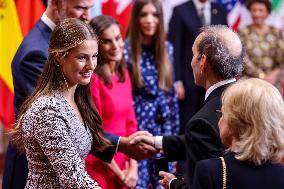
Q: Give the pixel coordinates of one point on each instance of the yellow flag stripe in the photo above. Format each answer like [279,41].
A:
[10,39]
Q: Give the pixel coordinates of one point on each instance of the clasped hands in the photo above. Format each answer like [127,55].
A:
[139,145]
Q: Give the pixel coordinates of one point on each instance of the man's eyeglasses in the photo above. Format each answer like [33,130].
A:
[218,114]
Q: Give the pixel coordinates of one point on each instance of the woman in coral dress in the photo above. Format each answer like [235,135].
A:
[112,95]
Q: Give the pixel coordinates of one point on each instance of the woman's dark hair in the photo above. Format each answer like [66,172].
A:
[67,35]
[100,24]
[267,4]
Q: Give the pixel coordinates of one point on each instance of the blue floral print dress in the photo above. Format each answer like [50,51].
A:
[156,110]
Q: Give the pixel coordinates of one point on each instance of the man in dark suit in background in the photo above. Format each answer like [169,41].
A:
[28,64]
[217,59]
[184,26]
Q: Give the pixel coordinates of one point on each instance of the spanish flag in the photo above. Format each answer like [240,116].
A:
[29,11]
[10,39]
[15,22]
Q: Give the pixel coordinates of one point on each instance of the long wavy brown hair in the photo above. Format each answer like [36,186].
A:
[67,35]
[100,24]
[135,38]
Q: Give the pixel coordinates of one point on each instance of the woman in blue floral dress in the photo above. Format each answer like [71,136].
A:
[150,58]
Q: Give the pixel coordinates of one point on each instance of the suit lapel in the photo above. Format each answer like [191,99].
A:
[191,16]
[193,20]
[214,14]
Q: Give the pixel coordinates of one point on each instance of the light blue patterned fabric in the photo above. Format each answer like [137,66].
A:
[156,110]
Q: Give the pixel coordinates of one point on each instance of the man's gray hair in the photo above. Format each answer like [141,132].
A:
[223,49]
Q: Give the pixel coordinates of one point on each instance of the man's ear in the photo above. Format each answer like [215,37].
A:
[203,63]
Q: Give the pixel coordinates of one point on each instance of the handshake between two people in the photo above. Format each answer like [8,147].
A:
[140,145]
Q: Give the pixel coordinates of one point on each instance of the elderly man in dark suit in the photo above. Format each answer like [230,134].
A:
[217,59]
[28,64]
[184,26]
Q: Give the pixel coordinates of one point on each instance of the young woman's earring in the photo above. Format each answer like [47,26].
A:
[65,81]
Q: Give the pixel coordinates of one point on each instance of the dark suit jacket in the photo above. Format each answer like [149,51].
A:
[240,174]
[201,139]
[183,29]
[27,65]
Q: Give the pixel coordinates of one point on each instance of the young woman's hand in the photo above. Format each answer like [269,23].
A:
[117,171]
[131,173]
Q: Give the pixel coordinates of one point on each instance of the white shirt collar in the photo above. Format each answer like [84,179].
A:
[47,21]
[216,85]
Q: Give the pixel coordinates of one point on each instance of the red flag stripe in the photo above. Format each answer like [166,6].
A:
[29,11]
[7,114]
[236,24]
[110,8]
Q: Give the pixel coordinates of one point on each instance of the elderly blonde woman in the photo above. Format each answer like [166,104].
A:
[252,127]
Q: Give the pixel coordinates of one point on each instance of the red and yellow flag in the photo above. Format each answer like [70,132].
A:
[10,39]
[29,11]
[14,22]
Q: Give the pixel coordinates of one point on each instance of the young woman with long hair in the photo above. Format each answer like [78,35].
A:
[149,57]
[111,92]
[53,127]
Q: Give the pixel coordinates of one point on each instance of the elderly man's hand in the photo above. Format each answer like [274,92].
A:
[137,150]
[167,177]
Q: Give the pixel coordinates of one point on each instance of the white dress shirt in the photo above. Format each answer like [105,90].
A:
[216,85]
[47,21]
